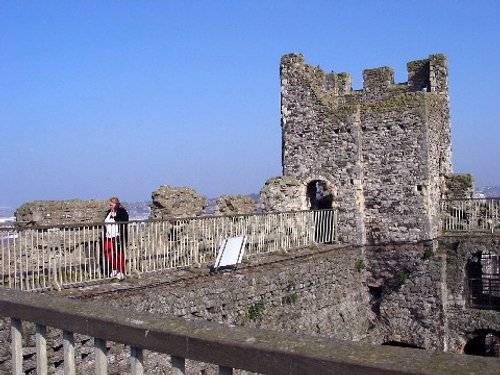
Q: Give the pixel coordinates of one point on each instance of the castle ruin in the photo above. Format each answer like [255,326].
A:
[380,155]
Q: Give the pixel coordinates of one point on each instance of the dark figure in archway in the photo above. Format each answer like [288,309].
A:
[321,199]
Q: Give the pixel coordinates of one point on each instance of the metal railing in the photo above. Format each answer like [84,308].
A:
[483,292]
[40,258]
[228,348]
[482,281]
[465,215]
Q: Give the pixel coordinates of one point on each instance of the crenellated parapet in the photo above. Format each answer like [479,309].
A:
[429,75]
[378,79]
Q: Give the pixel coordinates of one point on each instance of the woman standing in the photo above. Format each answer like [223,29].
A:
[115,239]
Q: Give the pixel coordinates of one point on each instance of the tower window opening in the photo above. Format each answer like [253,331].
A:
[319,197]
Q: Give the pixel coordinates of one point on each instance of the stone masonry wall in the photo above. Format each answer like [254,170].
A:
[464,323]
[316,293]
[62,212]
[284,193]
[376,294]
[409,294]
[234,205]
[385,149]
[170,202]
[407,288]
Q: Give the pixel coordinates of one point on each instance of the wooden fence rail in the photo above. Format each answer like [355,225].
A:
[260,351]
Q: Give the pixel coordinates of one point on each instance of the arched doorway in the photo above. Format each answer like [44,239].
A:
[485,343]
[319,195]
[320,200]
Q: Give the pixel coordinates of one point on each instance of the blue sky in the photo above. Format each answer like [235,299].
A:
[101,98]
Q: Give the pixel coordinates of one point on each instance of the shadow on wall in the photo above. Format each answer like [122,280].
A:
[485,343]
[402,345]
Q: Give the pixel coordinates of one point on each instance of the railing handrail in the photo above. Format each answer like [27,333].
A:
[55,256]
[16,224]
[470,215]
[470,199]
[233,347]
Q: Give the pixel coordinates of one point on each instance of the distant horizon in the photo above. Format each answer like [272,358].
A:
[476,189]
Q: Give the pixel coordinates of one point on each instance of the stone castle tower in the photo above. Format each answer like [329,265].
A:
[381,155]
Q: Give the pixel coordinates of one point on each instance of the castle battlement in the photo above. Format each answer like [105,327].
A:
[427,75]
[378,79]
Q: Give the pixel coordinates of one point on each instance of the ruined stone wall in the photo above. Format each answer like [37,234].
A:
[464,323]
[384,149]
[235,205]
[61,212]
[314,293]
[281,194]
[407,288]
[168,202]
[377,294]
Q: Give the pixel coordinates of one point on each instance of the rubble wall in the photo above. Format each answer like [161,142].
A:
[61,212]
[168,202]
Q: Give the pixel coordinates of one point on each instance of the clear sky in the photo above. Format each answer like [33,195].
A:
[101,98]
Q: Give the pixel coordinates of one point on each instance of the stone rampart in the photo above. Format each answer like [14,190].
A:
[171,202]
[318,293]
[281,194]
[235,205]
[406,293]
[61,212]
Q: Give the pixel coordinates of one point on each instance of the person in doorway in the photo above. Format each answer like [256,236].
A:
[115,239]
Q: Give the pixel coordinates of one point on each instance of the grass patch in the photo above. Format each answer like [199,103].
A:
[290,299]
[361,265]
[402,276]
[256,311]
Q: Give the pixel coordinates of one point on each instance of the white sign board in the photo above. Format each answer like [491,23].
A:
[230,252]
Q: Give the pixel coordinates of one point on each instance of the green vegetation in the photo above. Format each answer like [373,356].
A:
[402,276]
[256,311]
[290,299]
[428,254]
[361,265]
